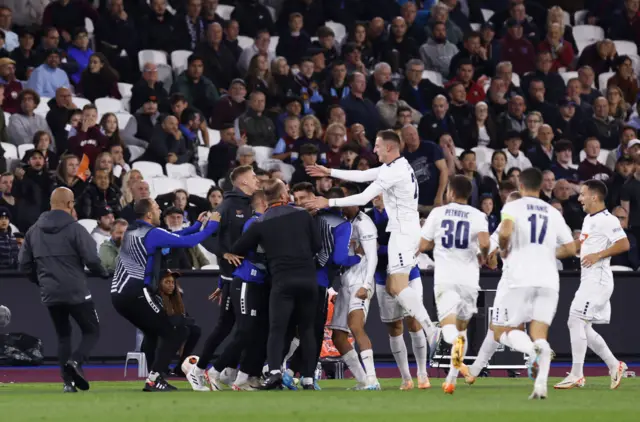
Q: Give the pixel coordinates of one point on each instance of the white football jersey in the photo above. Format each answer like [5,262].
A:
[454,229]
[538,229]
[363,229]
[400,195]
[599,232]
[364,233]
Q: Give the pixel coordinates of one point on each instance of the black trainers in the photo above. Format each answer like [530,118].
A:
[309,387]
[74,370]
[160,384]
[273,382]
[69,388]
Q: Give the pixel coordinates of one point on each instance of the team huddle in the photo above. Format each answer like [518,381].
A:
[382,254]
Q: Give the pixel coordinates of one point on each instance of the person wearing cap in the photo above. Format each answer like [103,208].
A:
[219,61]
[230,106]
[8,244]
[568,125]
[102,232]
[140,130]
[389,104]
[198,90]
[295,42]
[180,258]
[23,125]
[517,49]
[149,87]
[515,157]
[12,86]
[437,52]
[32,186]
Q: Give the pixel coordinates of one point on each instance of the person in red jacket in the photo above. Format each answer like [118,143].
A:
[561,50]
[88,140]
[517,49]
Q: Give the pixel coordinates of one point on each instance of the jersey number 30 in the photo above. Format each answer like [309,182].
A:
[455,235]
[534,220]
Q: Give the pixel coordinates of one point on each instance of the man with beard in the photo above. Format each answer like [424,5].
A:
[102,232]
[437,52]
[110,249]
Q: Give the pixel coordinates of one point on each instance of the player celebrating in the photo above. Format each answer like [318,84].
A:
[392,314]
[529,233]
[397,183]
[602,237]
[352,302]
[454,232]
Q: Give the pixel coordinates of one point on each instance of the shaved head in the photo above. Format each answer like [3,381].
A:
[62,199]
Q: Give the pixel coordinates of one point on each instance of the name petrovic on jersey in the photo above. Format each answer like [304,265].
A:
[457,213]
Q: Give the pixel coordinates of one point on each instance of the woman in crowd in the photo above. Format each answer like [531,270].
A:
[42,142]
[530,134]
[617,106]
[104,161]
[67,175]
[311,131]
[625,79]
[100,193]
[496,169]
[215,197]
[482,130]
[556,15]
[110,128]
[129,179]
[283,84]
[99,79]
[259,78]
[358,36]
[560,49]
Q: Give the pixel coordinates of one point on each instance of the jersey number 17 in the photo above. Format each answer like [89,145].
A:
[536,220]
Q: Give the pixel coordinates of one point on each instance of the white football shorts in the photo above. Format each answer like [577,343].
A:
[401,251]
[347,302]
[390,309]
[456,299]
[592,303]
[525,304]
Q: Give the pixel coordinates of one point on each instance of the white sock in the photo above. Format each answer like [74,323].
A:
[450,333]
[307,381]
[419,344]
[544,362]
[292,349]
[488,348]
[410,302]
[241,378]
[353,363]
[518,340]
[399,351]
[599,346]
[153,376]
[578,334]
[368,363]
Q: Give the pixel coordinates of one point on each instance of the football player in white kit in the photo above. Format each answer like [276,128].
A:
[397,183]
[352,302]
[529,233]
[490,345]
[602,237]
[455,232]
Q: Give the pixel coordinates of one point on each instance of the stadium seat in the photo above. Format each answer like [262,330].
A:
[88,25]
[203,158]
[244,41]
[602,157]
[273,44]
[135,151]
[214,137]
[590,33]
[125,91]
[580,17]
[163,185]
[80,102]
[153,56]
[123,119]
[339,29]
[7,116]
[22,149]
[224,11]
[211,267]
[459,151]
[199,186]
[142,363]
[483,155]
[486,13]
[262,154]
[434,77]
[476,26]
[13,228]
[603,79]
[620,268]
[181,171]
[88,224]
[108,105]
[43,107]
[149,169]
[515,79]
[179,61]
[272,12]
[10,150]
[566,18]
[568,76]
[626,47]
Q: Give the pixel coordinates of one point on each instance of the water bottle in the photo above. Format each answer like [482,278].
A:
[317,374]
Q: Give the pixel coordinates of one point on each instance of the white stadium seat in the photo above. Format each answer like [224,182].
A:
[483,155]
[272,12]
[181,171]
[123,119]
[203,158]
[179,60]
[88,224]
[149,169]
[7,116]
[162,185]
[224,11]
[135,151]
[486,13]
[590,33]
[459,151]
[199,186]
[339,29]
[476,26]
[568,76]
[273,43]
[108,105]
[125,89]
[210,267]
[515,79]
[80,102]
[10,150]
[244,41]
[602,157]
[580,17]
[22,149]
[152,56]
[566,19]
[602,81]
[626,47]
[433,76]
[262,154]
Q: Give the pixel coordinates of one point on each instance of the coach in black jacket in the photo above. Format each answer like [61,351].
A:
[290,239]
[234,211]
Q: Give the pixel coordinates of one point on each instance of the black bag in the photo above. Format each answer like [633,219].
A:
[20,349]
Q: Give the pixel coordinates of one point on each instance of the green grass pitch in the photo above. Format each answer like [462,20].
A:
[490,399]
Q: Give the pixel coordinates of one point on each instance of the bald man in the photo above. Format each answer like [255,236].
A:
[55,251]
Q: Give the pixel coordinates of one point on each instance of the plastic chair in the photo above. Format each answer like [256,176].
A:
[244,41]
[125,89]
[108,105]
[567,76]
[626,47]
[602,156]
[10,150]
[148,169]
[483,155]
[338,29]
[88,224]
[7,116]
[22,149]
[123,119]
[566,19]
[272,12]
[213,260]
[179,60]
[273,43]
[199,186]
[486,13]
[210,267]
[434,77]
[590,33]
[580,17]
[162,185]
[181,171]
[80,102]
[459,151]
[135,151]
[603,79]
[620,268]
[224,11]
[515,78]
[153,56]
[142,363]
[262,154]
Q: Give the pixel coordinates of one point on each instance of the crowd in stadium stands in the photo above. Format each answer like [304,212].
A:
[124,99]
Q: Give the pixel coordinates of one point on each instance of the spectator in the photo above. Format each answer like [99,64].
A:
[215,197]
[536,101]
[415,29]
[481,130]
[109,250]
[323,185]
[590,167]
[284,148]
[628,133]
[102,232]
[497,97]
[450,154]
[293,108]
[60,110]
[631,258]
[583,109]
[312,11]
[552,81]
[209,13]
[181,258]
[404,116]
[326,41]
[158,28]
[625,79]
[190,127]
[120,165]
[560,49]
[105,162]
[567,125]
[518,13]
[515,158]
[603,126]
[359,109]
[66,16]
[3,127]
[359,41]
[308,157]
[42,142]
[32,187]
[439,121]
[3,51]
[513,119]
[464,75]
[67,175]
[624,23]
[253,18]
[25,56]
[472,52]
[490,42]
[231,106]
[12,86]
[586,77]
[89,139]
[427,160]
[440,14]
[189,28]
[149,86]
[599,57]
[487,207]
[504,71]
[541,154]
[139,190]
[630,195]
[48,77]
[381,75]
[259,78]
[99,194]
[99,79]
[496,169]
[437,52]
[572,211]
[459,107]
[128,182]
[189,206]
[8,245]
[335,140]
[80,52]
[168,144]
[624,169]
[110,129]
[399,47]
[390,103]
[11,39]
[116,32]
[7,199]
[51,41]
[562,166]
[311,134]
[219,61]
[197,89]
[294,41]
[557,15]
[24,124]
[548,183]
[146,119]
[617,106]
[259,129]
[517,49]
